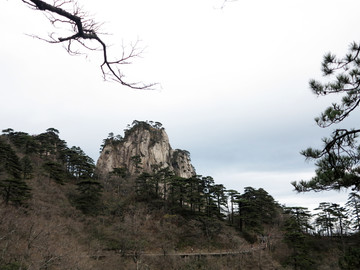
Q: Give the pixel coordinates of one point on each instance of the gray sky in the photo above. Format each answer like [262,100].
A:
[234,82]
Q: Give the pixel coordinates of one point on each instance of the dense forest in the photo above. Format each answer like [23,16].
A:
[57,213]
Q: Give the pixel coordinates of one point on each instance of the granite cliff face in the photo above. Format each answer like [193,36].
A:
[144,146]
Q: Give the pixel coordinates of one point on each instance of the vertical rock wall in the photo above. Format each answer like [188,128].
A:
[143,147]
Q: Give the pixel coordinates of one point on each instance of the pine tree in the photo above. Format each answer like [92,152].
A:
[55,171]
[78,164]
[14,191]
[353,205]
[233,196]
[325,219]
[27,167]
[89,196]
[144,189]
[220,197]
[338,162]
[302,217]
[301,257]
[13,188]
[256,207]
[342,221]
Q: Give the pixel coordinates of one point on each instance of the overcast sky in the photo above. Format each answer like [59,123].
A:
[233,82]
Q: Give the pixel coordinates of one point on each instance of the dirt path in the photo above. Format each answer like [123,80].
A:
[203,254]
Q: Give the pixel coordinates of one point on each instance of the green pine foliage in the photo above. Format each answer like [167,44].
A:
[14,191]
[302,217]
[13,188]
[9,162]
[300,256]
[353,206]
[338,161]
[53,159]
[256,208]
[88,197]
[200,197]
[55,171]
[27,167]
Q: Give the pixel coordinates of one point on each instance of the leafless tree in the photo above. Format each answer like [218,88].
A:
[84,31]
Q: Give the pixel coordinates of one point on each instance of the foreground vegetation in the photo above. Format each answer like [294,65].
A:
[57,214]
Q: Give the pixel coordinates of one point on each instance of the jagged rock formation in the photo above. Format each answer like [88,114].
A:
[144,147]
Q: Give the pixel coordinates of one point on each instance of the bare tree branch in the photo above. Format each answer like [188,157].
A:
[225,2]
[82,29]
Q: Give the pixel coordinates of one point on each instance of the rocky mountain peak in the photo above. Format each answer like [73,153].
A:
[145,145]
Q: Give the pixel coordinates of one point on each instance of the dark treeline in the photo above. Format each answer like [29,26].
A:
[45,154]
[199,196]
[24,157]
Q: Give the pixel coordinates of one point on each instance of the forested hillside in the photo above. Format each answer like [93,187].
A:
[57,213]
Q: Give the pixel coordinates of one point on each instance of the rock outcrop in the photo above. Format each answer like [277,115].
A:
[144,147]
